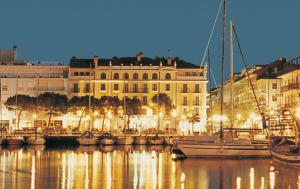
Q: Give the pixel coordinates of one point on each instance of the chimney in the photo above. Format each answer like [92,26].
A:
[139,56]
[95,60]
[15,52]
[169,61]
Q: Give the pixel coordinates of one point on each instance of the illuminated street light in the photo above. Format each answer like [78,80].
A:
[298,112]
[88,117]
[239,117]
[161,114]
[174,113]
[95,113]
[34,116]
[109,115]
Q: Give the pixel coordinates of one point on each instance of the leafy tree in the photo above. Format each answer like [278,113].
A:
[192,119]
[20,103]
[80,103]
[52,103]
[163,102]
[133,106]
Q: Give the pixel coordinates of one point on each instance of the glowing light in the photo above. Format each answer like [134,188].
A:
[34,116]
[174,113]
[272,178]
[95,113]
[88,117]
[238,182]
[252,176]
[109,115]
[239,117]
[262,186]
[32,184]
[218,118]
[298,112]
[161,114]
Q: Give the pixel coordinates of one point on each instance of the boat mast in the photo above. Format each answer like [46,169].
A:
[231,78]
[124,106]
[223,58]
[89,112]
[210,87]
[1,101]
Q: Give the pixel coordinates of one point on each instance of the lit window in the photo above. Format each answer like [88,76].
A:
[116,87]
[102,87]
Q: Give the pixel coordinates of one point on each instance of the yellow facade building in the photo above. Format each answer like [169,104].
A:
[144,77]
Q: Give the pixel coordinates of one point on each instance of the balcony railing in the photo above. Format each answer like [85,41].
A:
[75,90]
[290,86]
[184,91]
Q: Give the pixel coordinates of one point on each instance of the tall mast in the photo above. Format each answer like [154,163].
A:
[124,105]
[1,101]
[210,87]
[231,78]
[90,96]
[223,58]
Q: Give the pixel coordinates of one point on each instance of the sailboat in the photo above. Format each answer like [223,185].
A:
[285,146]
[36,139]
[125,139]
[87,138]
[14,139]
[224,146]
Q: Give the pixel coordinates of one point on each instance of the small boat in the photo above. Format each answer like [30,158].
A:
[14,140]
[36,140]
[286,152]
[177,154]
[124,140]
[107,139]
[87,139]
[139,140]
[156,140]
[285,139]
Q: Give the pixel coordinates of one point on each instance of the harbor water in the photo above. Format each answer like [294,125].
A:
[134,167]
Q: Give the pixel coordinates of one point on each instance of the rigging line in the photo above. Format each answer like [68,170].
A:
[212,31]
[213,76]
[248,75]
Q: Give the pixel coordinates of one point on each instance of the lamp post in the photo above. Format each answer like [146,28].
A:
[34,123]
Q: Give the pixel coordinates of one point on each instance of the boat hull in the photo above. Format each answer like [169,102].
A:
[287,159]
[155,141]
[140,141]
[107,141]
[87,141]
[124,140]
[36,141]
[224,151]
[15,141]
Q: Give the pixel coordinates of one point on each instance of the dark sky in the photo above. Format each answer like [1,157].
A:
[55,30]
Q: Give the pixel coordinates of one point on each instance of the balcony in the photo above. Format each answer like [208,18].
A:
[290,86]
[184,91]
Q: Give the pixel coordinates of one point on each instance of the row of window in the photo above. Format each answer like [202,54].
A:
[135,76]
[193,74]
[135,88]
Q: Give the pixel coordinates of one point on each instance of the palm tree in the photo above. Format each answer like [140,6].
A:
[133,107]
[25,103]
[80,103]
[163,104]
[52,103]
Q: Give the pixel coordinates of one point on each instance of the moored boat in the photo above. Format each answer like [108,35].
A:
[87,139]
[107,139]
[14,140]
[155,140]
[36,141]
[124,140]
[139,140]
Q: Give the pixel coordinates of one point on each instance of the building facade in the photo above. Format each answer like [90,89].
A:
[142,77]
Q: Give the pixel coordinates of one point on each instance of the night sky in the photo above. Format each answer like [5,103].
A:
[55,30]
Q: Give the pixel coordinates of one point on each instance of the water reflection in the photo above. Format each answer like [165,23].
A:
[134,167]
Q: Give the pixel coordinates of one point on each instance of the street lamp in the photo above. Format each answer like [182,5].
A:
[298,112]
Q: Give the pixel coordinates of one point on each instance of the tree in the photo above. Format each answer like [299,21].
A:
[80,103]
[163,103]
[192,119]
[20,103]
[52,103]
[132,107]
[105,104]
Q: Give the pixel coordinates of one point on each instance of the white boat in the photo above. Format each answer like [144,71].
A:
[124,140]
[36,141]
[87,139]
[234,149]
[139,140]
[156,140]
[14,140]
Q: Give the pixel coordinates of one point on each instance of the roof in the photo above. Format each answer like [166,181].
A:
[127,61]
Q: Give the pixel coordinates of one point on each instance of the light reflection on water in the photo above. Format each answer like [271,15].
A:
[135,167]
